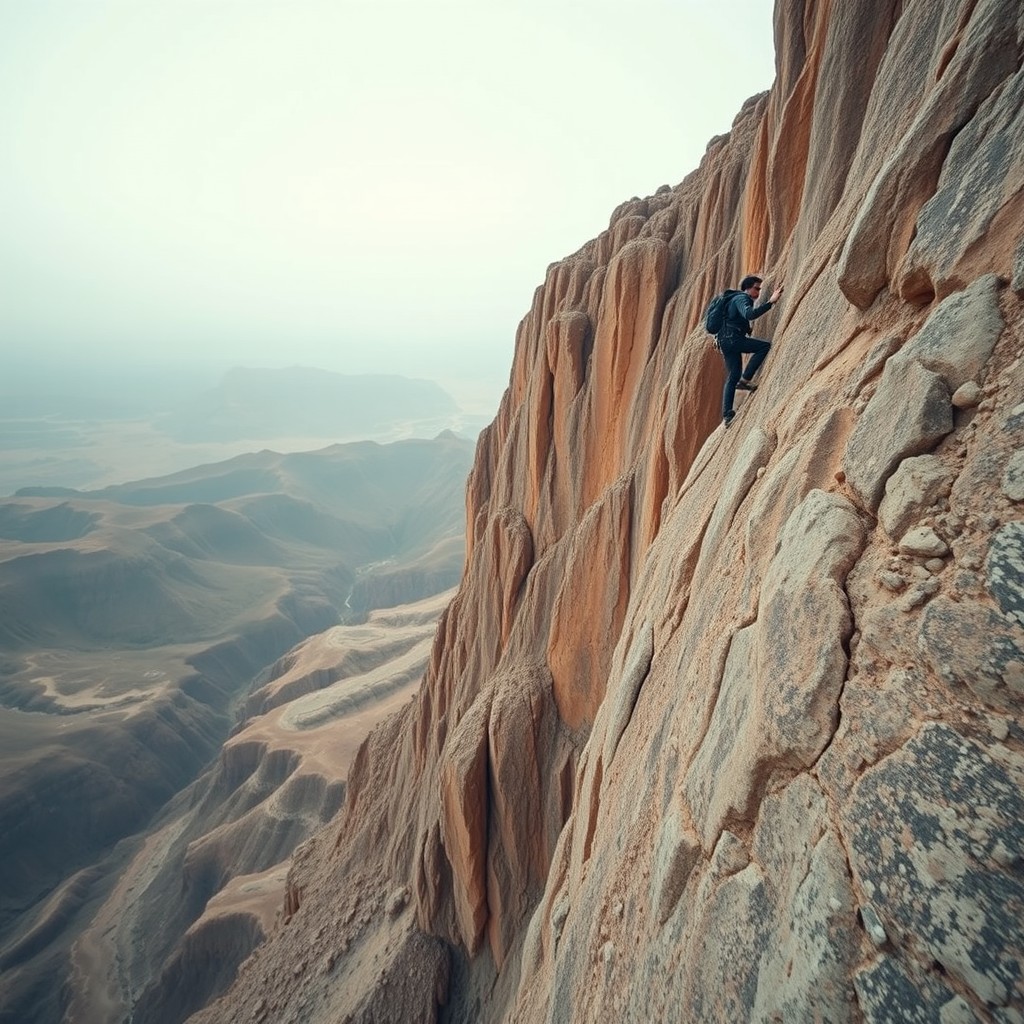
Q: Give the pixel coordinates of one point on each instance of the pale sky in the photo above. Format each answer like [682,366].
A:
[359,186]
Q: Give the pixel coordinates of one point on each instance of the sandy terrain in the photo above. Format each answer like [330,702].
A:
[318,733]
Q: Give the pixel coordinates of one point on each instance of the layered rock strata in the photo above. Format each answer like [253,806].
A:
[205,887]
[727,725]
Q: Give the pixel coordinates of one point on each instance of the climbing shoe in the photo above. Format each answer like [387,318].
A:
[728,418]
[745,385]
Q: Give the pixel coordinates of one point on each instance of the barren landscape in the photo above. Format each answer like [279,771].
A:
[136,623]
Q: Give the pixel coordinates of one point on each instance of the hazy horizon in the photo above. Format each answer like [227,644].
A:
[331,184]
[135,377]
[87,430]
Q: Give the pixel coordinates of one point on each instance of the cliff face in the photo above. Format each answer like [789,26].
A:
[726,725]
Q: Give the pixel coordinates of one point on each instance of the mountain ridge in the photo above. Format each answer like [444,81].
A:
[699,738]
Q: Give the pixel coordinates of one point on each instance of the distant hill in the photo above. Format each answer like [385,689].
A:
[85,427]
[134,619]
[262,403]
[87,567]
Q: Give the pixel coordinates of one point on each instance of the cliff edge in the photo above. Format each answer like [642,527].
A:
[726,725]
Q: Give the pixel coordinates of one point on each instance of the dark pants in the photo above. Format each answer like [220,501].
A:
[733,349]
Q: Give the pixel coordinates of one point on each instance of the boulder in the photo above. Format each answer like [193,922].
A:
[777,704]
[968,395]
[911,490]
[805,976]
[923,542]
[908,415]
[956,341]
[985,152]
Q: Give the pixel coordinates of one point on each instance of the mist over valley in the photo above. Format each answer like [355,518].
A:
[100,423]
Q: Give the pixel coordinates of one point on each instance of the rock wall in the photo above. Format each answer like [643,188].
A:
[726,725]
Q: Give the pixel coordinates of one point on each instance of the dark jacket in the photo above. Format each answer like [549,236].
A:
[740,313]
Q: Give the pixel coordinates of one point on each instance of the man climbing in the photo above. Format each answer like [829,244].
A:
[733,341]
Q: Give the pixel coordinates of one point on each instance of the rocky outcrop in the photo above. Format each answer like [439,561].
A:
[725,725]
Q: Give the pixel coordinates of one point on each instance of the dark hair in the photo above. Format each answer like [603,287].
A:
[749,281]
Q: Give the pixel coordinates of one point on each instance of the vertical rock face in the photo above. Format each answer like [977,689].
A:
[700,738]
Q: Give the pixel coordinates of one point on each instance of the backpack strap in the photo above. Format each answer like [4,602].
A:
[729,326]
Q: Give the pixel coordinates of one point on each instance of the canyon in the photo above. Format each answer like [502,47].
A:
[141,626]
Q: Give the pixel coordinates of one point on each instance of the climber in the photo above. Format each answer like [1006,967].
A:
[733,341]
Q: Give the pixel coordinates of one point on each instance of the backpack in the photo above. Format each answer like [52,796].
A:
[714,315]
